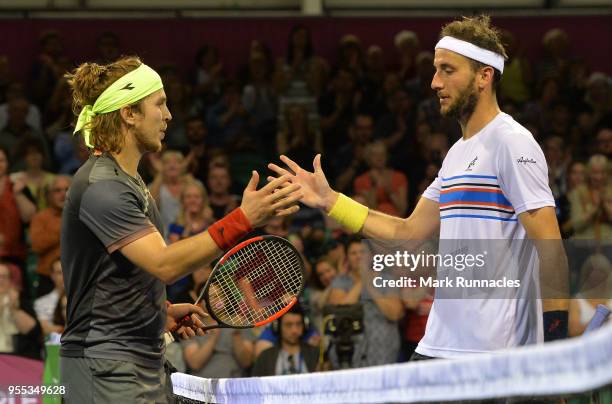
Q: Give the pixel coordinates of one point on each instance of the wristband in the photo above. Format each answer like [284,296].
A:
[349,213]
[555,325]
[228,231]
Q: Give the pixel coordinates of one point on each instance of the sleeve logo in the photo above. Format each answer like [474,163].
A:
[526,160]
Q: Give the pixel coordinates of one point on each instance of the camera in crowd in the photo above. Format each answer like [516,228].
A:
[343,323]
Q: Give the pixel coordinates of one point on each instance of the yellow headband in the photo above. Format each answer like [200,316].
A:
[127,90]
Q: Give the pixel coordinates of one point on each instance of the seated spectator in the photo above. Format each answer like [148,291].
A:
[17,128]
[16,210]
[598,97]
[15,91]
[219,184]
[324,273]
[195,214]
[290,355]
[45,306]
[269,338]
[603,142]
[594,288]
[515,84]
[37,180]
[223,352]
[384,189]
[20,333]
[194,217]
[576,174]
[591,203]
[395,128]
[45,232]
[168,184]
[197,154]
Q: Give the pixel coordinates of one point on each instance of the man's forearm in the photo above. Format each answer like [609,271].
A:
[186,255]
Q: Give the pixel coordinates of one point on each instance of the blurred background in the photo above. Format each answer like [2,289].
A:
[249,80]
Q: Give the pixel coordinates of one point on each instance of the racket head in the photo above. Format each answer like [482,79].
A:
[254,283]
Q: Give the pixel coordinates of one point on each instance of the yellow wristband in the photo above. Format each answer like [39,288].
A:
[349,213]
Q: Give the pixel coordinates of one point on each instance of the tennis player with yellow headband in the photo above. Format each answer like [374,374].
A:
[493,184]
[115,261]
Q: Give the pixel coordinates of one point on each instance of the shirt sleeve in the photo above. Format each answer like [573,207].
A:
[523,173]
[433,190]
[112,211]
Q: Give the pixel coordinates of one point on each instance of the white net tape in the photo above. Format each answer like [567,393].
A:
[565,367]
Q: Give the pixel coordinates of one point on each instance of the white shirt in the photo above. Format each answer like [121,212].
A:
[45,305]
[484,183]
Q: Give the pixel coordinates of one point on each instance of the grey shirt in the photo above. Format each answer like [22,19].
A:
[222,362]
[115,309]
[380,342]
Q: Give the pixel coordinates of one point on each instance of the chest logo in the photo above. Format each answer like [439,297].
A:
[472,164]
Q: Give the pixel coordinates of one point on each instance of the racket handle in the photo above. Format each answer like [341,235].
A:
[180,323]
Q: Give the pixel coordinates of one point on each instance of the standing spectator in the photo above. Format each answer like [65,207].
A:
[383,188]
[48,67]
[301,78]
[19,330]
[298,139]
[16,210]
[227,118]
[219,184]
[208,75]
[338,107]
[260,100]
[108,47]
[556,60]
[395,127]
[382,310]
[45,306]
[45,232]
[351,159]
[37,180]
[196,152]
[407,47]
[290,355]
[350,55]
[168,184]
[515,84]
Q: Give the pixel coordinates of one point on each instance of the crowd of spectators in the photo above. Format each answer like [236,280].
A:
[376,121]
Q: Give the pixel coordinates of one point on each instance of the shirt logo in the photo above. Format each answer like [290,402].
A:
[526,160]
[128,86]
[472,164]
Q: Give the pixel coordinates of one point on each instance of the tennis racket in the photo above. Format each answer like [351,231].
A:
[253,284]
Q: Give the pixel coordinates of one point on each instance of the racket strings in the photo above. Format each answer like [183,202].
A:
[256,282]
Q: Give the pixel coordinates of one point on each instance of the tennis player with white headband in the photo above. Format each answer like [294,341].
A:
[493,185]
[115,261]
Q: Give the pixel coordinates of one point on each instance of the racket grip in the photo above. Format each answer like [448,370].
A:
[180,323]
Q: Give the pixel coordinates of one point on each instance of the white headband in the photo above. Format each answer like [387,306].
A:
[472,51]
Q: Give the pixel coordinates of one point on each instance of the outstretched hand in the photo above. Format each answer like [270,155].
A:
[277,198]
[315,189]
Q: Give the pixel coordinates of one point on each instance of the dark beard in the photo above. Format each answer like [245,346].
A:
[465,105]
